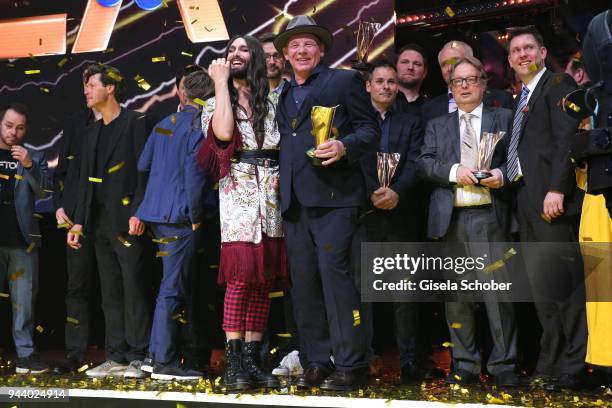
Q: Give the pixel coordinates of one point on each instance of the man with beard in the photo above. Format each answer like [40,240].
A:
[110,192]
[320,204]
[241,152]
[411,65]
[275,65]
[23,178]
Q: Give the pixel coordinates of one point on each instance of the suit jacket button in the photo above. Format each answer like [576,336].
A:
[294,134]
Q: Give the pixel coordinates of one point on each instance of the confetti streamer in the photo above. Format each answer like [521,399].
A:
[72,320]
[115,76]
[4,295]
[18,177]
[533,67]
[39,329]
[447,344]
[4,176]
[356,318]
[449,11]
[95,180]
[494,266]
[62,62]
[142,82]
[64,225]
[108,50]
[125,201]
[32,71]
[456,326]
[273,295]
[186,54]
[284,335]
[124,241]
[40,217]
[199,102]
[274,350]
[173,119]
[43,89]
[30,248]
[163,131]
[83,368]
[159,254]
[165,240]
[158,59]
[115,168]
[70,157]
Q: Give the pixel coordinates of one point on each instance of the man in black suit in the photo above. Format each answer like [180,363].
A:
[391,215]
[110,191]
[548,202]
[79,264]
[445,103]
[462,211]
[320,205]
[411,65]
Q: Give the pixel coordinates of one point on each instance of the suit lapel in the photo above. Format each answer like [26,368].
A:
[534,96]
[320,86]
[454,135]
[487,122]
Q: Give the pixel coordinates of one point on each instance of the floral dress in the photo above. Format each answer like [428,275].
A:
[252,247]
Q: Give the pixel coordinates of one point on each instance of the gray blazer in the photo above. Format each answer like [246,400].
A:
[30,186]
[442,149]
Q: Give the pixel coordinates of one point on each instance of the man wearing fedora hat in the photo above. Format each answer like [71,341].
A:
[320,205]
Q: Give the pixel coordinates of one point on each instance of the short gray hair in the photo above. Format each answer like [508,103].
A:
[198,85]
[473,61]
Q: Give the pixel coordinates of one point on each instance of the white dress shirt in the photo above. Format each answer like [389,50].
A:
[468,196]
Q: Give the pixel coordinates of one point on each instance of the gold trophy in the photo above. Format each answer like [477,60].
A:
[486,148]
[386,164]
[322,129]
[365,35]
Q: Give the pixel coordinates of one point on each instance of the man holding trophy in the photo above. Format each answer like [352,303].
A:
[468,206]
[321,189]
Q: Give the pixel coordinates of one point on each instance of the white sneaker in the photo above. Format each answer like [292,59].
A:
[134,370]
[289,365]
[147,365]
[107,368]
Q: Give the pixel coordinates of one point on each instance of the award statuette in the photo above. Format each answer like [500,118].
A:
[386,164]
[488,141]
[365,35]
[322,128]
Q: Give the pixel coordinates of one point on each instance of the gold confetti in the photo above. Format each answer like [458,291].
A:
[448,344]
[163,131]
[115,168]
[39,329]
[213,266]
[173,119]
[356,318]
[176,316]
[158,59]
[449,11]
[4,295]
[186,54]
[18,273]
[37,215]
[95,180]
[278,294]
[115,76]
[179,405]
[159,254]
[30,248]
[125,201]
[72,320]
[5,176]
[64,225]
[35,235]
[284,335]
[456,326]
[124,241]
[572,106]
[199,101]
[32,71]
[457,377]
[494,400]
[108,50]
[62,62]
[142,82]
[18,177]
[274,350]
[83,368]
[494,266]
[533,67]
[43,89]
[450,61]
[216,186]
[46,190]
[182,321]
[70,157]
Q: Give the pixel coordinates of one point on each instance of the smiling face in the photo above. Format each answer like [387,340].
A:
[238,55]
[304,52]
[526,56]
[382,86]
[467,95]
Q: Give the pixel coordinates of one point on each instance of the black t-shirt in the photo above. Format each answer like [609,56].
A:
[102,153]
[11,235]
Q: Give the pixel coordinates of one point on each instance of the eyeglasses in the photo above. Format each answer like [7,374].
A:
[276,57]
[471,80]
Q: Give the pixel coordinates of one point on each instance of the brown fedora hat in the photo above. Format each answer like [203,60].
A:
[303,24]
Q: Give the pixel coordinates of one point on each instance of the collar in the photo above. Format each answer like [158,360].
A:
[280,86]
[477,112]
[315,72]
[534,82]
[189,108]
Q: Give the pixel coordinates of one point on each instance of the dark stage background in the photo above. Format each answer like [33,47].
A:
[140,36]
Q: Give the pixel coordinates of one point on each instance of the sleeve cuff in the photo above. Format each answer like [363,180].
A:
[452,177]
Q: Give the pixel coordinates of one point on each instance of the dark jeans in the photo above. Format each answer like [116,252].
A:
[80,265]
[122,284]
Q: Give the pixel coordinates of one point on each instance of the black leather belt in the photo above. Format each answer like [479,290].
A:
[266,157]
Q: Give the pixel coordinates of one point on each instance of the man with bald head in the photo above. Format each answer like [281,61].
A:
[442,104]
